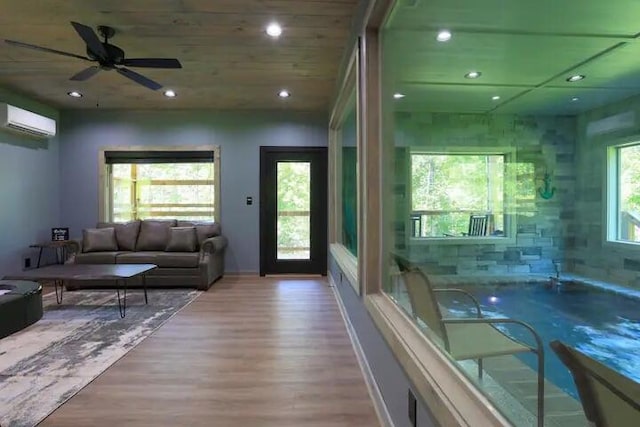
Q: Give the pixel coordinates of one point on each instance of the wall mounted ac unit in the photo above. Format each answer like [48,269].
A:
[23,121]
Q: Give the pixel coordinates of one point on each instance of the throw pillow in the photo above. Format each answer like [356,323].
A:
[154,235]
[204,230]
[126,233]
[99,239]
[182,239]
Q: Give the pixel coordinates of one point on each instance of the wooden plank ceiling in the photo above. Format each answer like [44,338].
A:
[228,60]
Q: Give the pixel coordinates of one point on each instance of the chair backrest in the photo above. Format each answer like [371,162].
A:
[422,298]
[478,225]
[609,399]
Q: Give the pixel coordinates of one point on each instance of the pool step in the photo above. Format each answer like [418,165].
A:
[519,380]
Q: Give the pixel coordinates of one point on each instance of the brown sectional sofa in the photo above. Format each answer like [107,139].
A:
[187,253]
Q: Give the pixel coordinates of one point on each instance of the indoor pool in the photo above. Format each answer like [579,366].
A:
[600,323]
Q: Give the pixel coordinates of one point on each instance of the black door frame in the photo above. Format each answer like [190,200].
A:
[319,210]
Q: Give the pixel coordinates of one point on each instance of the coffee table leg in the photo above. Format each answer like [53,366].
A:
[122,305]
[144,285]
[57,283]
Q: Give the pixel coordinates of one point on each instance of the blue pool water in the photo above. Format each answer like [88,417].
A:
[602,324]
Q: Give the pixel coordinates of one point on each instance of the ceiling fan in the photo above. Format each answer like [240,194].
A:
[108,56]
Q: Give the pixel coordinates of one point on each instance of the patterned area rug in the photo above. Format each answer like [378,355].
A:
[47,363]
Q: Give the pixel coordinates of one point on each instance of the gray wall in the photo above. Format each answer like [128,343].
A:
[29,189]
[388,374]
[543,226]
[588,255]
[238,134]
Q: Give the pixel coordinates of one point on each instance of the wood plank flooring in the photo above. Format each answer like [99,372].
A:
[249,352]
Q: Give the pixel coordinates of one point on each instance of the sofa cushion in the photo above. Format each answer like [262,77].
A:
[161,259]
[99,239]
[204,229]
[154,235]
[126,233]
[182,239]
[97,257]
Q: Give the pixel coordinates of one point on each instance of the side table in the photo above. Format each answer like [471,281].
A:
[60,246]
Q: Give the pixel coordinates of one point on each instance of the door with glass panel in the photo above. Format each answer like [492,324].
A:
[293,210]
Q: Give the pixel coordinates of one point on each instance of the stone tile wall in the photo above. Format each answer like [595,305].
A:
[544,228]
[588,254]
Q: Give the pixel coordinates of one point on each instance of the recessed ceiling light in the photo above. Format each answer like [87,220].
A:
[444,36]
[574,99]
[473,74]
[284,94]
[274,29]
[74,94]
[576,78]
[170,93]
[398,95]
[495,97]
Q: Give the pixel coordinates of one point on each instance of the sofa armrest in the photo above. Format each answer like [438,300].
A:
[214,244]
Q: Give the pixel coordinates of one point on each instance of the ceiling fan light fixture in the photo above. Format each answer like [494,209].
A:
[274,30]
[576,78]
[170,93]
[284,93]
[472,75]
[108,57]
[74,94]
[443,36]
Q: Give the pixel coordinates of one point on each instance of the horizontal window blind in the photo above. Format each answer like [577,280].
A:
[144,157]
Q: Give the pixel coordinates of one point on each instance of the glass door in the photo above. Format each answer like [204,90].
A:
[293,210]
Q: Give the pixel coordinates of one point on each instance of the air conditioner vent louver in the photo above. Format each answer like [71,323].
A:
[25,130]
[23,121]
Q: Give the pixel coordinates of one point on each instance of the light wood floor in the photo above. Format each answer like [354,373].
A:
[249,352]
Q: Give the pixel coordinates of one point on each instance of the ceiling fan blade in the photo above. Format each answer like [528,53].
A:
[45,49]
[91,39]
[85,74]
[139,78]
[152,63]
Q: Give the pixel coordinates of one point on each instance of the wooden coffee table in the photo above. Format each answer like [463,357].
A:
[118,272]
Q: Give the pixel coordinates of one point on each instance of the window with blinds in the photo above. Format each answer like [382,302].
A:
[161,184]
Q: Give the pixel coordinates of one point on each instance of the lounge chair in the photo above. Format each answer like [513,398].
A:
[608,398]
[468,338]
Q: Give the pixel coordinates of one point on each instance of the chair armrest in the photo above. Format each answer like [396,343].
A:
[540,348]
[455,290]
[214,244]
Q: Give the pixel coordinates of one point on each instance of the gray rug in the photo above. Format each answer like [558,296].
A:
[47,363]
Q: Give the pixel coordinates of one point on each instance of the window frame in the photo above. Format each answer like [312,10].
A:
[450,396]
[348,90]
[509,205]
[105,200]
[612,195]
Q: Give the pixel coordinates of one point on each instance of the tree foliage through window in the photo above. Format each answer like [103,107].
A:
[447,188]
[157,190]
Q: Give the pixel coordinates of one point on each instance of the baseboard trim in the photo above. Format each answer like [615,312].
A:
[374,392]
[241,273]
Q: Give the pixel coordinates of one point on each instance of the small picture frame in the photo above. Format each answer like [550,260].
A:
[59,234]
